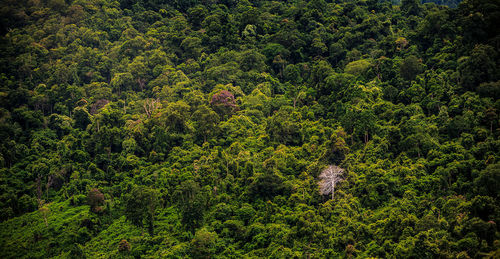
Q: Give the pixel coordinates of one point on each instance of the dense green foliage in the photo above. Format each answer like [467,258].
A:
[199,129]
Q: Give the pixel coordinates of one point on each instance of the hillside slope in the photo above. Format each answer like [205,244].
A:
[201,128]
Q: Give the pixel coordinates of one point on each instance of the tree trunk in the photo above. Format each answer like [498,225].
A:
[333,190]
[45,221]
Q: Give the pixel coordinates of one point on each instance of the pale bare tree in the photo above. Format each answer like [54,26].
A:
[329,178]
[150,105]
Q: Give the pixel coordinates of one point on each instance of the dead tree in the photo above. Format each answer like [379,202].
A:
[150,105]
[329,178]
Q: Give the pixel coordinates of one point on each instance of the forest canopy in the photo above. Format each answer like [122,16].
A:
[200,129]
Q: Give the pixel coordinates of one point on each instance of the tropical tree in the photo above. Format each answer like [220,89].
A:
[330,177]
[140,206]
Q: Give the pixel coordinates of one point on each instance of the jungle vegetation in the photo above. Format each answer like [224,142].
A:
[199,129]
